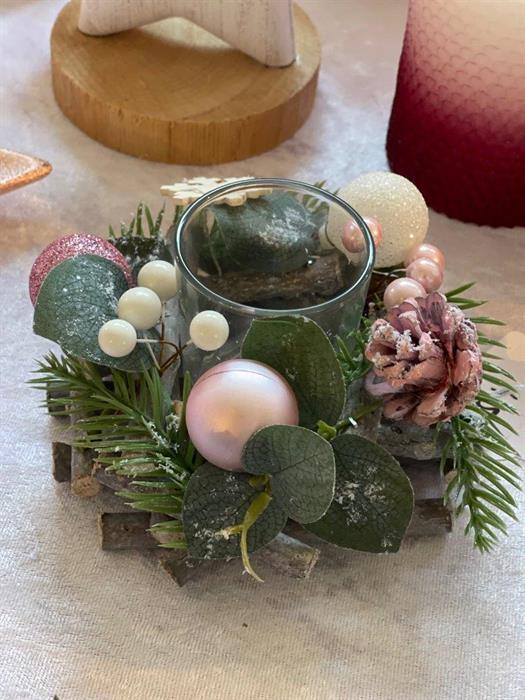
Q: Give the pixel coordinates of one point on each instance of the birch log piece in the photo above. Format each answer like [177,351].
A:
[125,531]
[52,408]
[289,556]
[172,91]
[432,516]
[83,482]
[61,456]
[284,554]
[262,29]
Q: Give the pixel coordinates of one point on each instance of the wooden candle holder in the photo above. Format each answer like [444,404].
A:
[173,92]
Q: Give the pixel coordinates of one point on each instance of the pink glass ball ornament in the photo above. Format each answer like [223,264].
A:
[353,239]
[401,289]
[427,273]
[426,250]
[70,247]
[230,402]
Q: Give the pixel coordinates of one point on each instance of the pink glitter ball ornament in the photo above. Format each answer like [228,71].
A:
[70,247]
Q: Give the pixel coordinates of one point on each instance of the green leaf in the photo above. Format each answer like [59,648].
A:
[272,234]
[301,352]
[216,500]
[302,468]
[76,298]
[373,500]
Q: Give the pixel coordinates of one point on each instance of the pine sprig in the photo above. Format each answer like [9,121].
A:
[129,425]
[485,463]
[351,353]
[141,240]
[484,466]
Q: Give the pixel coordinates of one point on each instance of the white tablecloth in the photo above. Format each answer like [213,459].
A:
[436,621]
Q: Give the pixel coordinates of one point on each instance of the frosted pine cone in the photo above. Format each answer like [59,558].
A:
[427,365]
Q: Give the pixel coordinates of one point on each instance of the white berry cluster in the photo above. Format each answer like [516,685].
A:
[140,308]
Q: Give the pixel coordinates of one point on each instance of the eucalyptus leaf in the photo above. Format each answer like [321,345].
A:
[373,500]
[302,468]
[301,352]
[273,234]
[215,500]
[75,299]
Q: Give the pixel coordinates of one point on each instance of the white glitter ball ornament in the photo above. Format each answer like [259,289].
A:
[117,338]
[395,203]
[161,277]
[141,307]
[209,330]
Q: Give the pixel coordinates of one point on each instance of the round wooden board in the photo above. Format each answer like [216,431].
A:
[173,92]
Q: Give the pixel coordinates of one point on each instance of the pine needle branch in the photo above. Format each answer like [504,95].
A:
[127,424]
[351,353]
[485,463]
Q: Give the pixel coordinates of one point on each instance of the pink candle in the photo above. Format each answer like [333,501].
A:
[230,402]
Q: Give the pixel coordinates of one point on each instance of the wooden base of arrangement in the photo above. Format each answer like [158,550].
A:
[292,553]
[173,92]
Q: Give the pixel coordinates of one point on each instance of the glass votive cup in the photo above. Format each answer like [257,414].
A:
[275,250]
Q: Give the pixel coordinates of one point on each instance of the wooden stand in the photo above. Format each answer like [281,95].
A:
[173,92]
[293,552]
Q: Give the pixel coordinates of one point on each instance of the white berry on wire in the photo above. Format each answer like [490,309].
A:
[117,338]
[161,277]
[141,307]
[209,330]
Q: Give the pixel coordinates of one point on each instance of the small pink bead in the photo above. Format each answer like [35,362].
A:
[401,289]
[230,402]
[375,229]
[427,273]
[426,250]
[353,239]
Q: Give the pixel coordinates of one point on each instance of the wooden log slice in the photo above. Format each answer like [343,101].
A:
[61,456]
[125,531]
[432,516]
[173,92]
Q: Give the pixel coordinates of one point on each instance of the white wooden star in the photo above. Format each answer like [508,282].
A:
[262,29]
[187,191]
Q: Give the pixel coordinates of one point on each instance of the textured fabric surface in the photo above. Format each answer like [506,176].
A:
[434,622]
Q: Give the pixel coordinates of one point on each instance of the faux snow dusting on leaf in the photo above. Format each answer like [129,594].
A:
[373,499]
[76,298]
[215,500]
[300,350]
[302,468]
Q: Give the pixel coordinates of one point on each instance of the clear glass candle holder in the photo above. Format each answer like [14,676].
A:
[268,248]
